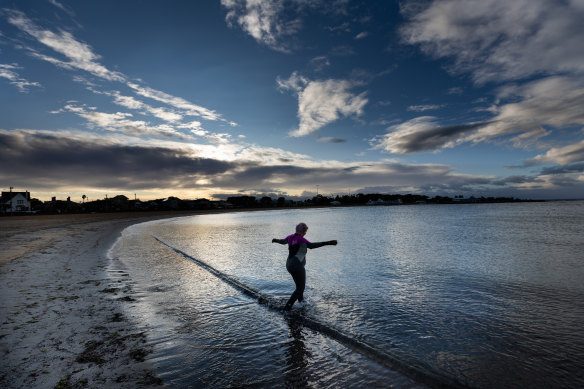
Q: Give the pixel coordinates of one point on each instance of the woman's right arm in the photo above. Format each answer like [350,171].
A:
[281,241]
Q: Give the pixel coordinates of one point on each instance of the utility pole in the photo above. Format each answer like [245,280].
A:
[317,189]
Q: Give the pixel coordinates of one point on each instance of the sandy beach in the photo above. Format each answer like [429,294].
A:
[62,306]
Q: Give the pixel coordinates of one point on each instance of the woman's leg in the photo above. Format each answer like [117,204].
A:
[299,275]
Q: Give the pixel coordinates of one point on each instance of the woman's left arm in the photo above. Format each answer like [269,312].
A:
[281,241]
[320,244]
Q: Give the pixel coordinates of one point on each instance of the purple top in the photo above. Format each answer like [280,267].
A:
[295,239]
[297,246]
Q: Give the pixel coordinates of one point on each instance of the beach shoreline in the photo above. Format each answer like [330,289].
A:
[62,320]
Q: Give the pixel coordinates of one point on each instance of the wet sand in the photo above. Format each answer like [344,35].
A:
[62,321]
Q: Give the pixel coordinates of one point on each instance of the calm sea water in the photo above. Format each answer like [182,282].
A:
[477,295]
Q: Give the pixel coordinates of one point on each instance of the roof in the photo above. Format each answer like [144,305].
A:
[7,196]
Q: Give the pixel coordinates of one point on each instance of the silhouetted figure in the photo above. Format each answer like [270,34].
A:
[297,246]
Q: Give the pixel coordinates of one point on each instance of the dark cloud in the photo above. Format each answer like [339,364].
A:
[46,160]
[421,134]
[518,180]
[330,140]
[57,160]
[574,168]
[435,138]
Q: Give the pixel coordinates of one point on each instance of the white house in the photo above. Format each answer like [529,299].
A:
[15,202]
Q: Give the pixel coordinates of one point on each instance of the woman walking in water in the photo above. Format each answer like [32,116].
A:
[297,246]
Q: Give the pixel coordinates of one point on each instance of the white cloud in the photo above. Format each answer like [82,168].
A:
[193,126]
[61,7]
[361,35]
[121,122]
[320,63]
[551,102]
[560,155]
[80,55]
[8,72]
[188,108]
[535,109]
[427,107]
[132,103]
[322,102]
[165,114]
[263,20]
[499,40]
[127,101]
[295,82]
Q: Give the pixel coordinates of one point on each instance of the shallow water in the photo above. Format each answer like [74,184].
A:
[481,295]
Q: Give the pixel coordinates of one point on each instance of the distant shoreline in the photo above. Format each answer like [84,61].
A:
[99,215]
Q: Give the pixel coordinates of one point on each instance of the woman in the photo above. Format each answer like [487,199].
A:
[297,246]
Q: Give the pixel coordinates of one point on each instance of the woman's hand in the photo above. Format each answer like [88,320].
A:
[332,242]
[274,240]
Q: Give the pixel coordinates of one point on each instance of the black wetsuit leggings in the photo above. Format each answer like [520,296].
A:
[296,269]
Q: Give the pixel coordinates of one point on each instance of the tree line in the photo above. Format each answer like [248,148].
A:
[122,203]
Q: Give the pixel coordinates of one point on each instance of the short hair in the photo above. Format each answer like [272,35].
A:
[301,228]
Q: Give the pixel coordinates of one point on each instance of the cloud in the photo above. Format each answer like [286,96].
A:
[131,102]
[535,43]
[75,159]
[295,178]
[79,55]
[121,122]
[361,35]
[427,107]
[552,102]
[560,155]
[320,63]
[569,169]
[500,40]
[523,114]
[422,134]
[555,182]
[330,140]
[322,102]
[8,72]
[264,20]
[188,108]
[275,23]
[62,7]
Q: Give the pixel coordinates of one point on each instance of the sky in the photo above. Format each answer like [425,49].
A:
[209,99]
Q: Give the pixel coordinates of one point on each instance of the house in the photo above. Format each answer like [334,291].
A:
[378,202]
[15,202]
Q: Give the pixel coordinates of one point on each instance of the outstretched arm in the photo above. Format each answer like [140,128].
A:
[320,244]
[281,241]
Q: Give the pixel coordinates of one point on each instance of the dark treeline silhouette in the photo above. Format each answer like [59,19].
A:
[122,203]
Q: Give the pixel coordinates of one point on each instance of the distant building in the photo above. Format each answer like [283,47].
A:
[15,202]
[385,202]
[378,202]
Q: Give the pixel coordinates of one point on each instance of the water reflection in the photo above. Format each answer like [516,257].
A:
[297,356]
